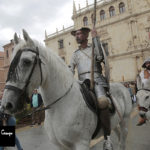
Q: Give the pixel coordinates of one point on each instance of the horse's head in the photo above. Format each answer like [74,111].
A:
[24,75]
[143,99]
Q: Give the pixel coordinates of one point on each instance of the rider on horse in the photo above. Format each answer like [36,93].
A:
[145,74]
[82,60]
[145,81]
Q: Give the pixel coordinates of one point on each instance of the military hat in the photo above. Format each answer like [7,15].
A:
[146,61]
[82,29]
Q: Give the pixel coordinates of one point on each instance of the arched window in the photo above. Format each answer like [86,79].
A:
[121,7]
[85,21]
[102,14]
[112,11]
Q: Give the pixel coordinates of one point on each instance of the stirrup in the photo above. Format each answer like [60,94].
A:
[107,144]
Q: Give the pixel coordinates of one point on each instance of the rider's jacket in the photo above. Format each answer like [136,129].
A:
[81,59]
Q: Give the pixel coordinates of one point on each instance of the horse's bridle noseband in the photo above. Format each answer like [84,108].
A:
[23,91]
[140,107]
[36,60]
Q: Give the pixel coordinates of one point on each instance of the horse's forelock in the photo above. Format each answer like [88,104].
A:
[12,73]
[22,44]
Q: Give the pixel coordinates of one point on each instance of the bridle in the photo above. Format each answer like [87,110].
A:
[141,108]
[23,91]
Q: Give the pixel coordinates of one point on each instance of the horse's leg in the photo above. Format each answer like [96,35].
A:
[117,132]
[123,132]
[82,146]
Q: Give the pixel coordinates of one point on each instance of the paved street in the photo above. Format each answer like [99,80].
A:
[35,138]
[138,137]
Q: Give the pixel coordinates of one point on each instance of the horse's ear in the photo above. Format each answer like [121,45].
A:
[16,39]
[139,82]
[26,37]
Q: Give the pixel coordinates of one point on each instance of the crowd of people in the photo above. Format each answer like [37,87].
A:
[132,88]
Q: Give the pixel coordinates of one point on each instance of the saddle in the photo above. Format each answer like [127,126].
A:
[92,103]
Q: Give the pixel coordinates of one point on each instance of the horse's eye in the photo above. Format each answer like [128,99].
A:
[147,97]
[26,62]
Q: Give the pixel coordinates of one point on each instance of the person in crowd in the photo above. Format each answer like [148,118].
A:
[36,102]
[130,90]
[133,89]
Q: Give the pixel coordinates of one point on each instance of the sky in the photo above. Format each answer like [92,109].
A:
[35,16]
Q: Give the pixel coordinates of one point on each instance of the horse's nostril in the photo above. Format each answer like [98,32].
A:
[9,106]
[142,115]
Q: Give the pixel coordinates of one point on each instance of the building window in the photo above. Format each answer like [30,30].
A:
[121,7]
[102,14]
[7,54]
[61,44]
[112,11]
[63,58]
[85,21]
[92,18]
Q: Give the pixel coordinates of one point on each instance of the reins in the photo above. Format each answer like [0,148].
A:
[22,91]
[50,105]
[140,108]
[144,90]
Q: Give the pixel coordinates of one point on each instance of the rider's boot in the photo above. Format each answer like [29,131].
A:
[105,120]
[107,145]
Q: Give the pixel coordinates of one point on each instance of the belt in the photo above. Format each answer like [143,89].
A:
[87,72]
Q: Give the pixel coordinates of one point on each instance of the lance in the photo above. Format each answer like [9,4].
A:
[92,60]
[107,73]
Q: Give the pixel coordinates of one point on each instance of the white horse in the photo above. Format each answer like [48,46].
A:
[143,99]
[69,122]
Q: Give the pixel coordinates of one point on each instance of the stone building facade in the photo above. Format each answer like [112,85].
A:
[8,49]
[124,25]
[2,82]
[5,58]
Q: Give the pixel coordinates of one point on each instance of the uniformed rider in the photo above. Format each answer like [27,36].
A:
[81,59]
[145,81]
[145,74]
